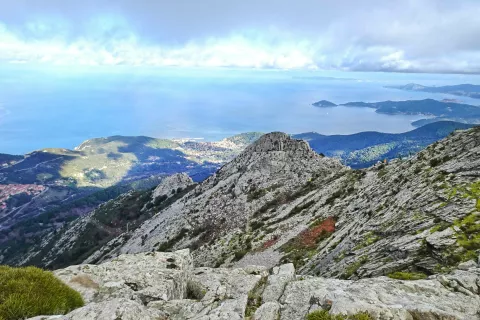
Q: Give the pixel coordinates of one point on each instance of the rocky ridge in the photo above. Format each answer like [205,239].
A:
[167,286]
[222,206]
[25,221]
[280,202]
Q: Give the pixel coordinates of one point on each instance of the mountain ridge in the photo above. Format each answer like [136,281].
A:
[280,202]
[361,150]
[265,188]
[281,232]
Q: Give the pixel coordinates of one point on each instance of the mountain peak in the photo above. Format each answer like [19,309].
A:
[278,141]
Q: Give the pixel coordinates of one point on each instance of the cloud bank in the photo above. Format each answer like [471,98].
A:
[372,35]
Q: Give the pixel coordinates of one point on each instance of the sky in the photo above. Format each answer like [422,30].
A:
[435,36]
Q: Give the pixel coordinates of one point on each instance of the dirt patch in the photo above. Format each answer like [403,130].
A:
[85,281]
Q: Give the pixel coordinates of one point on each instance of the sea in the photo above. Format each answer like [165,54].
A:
[59,107]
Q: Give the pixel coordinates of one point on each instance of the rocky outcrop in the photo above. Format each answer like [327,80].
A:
[171,185]
[167,286]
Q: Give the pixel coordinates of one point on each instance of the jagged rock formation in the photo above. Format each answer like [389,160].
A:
[171,184]
[167,286]
[55,207]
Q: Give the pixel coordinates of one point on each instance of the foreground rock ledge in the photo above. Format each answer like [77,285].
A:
[167,286]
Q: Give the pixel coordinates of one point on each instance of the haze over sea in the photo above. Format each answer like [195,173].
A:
[61,107]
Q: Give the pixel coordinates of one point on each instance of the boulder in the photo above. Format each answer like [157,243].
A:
[171,184]
[143,277]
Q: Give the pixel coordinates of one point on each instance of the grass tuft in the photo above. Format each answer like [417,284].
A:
[407,275]
[28,292]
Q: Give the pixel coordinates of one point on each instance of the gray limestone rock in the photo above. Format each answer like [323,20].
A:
[171,184]
[143,277]
[277,281]
[268,311]
[141,286]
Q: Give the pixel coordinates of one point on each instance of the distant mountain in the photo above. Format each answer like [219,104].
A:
[429,107]
[104,162]
[363,149]
[324,104]
[467,90]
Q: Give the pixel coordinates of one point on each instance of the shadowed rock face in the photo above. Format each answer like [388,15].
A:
[168,286]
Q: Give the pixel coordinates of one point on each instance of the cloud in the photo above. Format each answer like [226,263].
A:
[372,35]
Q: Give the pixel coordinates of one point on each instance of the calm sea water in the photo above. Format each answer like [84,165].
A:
[61,107]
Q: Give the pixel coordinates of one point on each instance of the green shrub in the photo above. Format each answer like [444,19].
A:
[407,275]
[435,162]
[239,254]
[352,268]
[324,315]
[29,292]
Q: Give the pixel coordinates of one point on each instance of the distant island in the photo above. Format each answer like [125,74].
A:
[324,104]
[445,110]
[467,90]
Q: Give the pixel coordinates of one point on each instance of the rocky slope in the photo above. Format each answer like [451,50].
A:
[75,242]
[281,202]
[43,191]
[168,286]
[220,210]
[65,194]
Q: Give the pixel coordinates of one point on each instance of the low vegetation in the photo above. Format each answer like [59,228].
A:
[325,315]
[353,268]
[305,244]
[255,298]
[29,292]
[407,275]
[370,238]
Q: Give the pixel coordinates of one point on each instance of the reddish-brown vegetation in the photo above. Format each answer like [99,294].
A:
[267,244]
[310,237]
